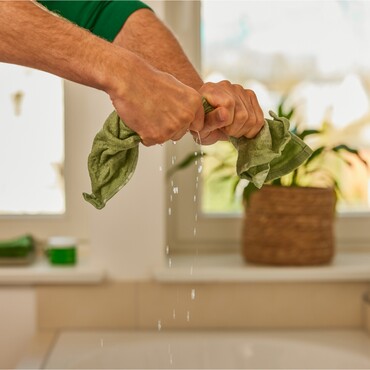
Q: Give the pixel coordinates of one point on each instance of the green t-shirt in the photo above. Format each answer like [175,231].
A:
[103,18]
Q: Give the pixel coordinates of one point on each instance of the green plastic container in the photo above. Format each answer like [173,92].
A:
[62,250]
[18,251]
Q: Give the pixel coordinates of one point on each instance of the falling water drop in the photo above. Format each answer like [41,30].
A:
[169,262]
[174,142]
[175,189]
[167,249]
[200,168]
[195,198]
[170,354]
[195,231]
[159,325]
[174,314]
[169,211]
[160,168]
[196,217]
[188,316]
[193,294]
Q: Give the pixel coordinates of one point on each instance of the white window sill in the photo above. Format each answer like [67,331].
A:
[42,273]
[346,267]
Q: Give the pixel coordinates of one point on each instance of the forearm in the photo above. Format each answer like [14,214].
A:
[145,35]
[33,37]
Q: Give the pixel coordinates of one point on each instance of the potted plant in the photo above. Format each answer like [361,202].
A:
[290,220]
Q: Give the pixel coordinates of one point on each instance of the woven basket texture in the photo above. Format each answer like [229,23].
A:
[289,226]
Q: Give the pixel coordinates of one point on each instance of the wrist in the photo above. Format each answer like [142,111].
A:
[116,72]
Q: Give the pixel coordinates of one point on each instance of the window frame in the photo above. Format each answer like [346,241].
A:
[75,220]
[220,233]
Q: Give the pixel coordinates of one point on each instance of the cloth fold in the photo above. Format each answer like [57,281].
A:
[274,152]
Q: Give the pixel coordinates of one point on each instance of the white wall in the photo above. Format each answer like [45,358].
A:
[17,323]
[128,235]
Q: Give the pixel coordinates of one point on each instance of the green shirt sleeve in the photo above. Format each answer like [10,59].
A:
[103,18]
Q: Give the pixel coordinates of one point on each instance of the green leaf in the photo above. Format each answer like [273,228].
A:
[305,133]
[248,191]
[314,155]
[338,148]
[276,182]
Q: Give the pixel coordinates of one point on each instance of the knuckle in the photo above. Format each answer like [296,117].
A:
[251,94]
[243,116]
[225,83]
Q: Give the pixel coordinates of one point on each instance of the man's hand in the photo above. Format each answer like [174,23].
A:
[237,113]
[155,104]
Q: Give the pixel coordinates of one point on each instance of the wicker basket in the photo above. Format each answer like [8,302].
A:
[290,226]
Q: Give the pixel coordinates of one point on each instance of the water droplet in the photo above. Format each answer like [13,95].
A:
[167,249]
[195,231]
[174,314]
[196,186]
[199,139]
[174,142]
[196,162]
[159,325]
[170,354]
[195,198]
[195,153]
[169,211]
[200,168]
[173,159]
[197,179]
[170,262]
[193,294]
[160,168]
[188,316]
[175,190]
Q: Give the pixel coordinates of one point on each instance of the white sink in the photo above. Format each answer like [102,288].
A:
[313,349]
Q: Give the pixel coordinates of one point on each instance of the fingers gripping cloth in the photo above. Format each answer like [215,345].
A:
[274,152]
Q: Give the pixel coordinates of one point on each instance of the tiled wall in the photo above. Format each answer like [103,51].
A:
[140,305]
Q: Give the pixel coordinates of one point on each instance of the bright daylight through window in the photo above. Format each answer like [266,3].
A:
[31,142]
[310,57]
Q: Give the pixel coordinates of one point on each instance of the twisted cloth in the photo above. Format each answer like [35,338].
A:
[273,153]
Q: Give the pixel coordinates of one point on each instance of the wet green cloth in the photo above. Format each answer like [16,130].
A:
[274,152]
[112,160]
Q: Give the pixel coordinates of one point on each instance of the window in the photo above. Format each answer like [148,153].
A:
[312,54]
[31,142]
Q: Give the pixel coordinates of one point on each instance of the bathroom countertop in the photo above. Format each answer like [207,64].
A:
[42,272]
[346,266]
